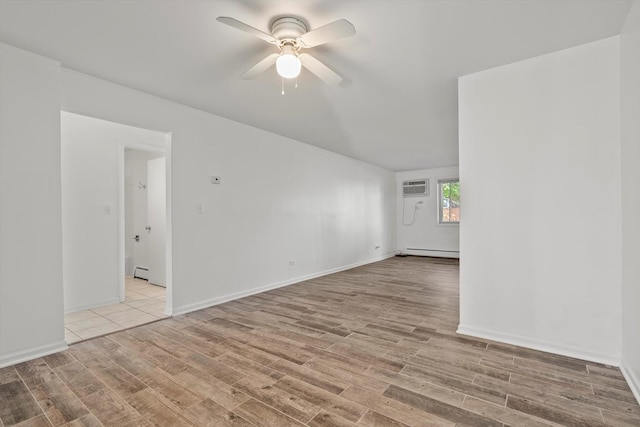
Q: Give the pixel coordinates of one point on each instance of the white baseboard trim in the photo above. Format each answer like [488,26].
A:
[632,380]
[432,252]
[541,345]
[92,305]
[32,353]
[230,297]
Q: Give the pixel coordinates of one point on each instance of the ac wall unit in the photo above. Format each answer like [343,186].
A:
[417,187]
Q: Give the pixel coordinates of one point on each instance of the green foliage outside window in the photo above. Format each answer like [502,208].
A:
[449,202]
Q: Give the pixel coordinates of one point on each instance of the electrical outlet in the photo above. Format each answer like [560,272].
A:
[216,180]
[291,263]
[377,247]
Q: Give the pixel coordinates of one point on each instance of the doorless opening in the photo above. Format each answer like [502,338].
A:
[93,204]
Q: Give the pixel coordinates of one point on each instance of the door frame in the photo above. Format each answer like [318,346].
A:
[166,150]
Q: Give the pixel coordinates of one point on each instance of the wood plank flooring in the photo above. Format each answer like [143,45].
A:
[372,346]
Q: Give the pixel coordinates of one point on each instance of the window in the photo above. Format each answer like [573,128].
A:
[449,201]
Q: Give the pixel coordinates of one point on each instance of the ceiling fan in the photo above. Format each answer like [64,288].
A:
[291,34]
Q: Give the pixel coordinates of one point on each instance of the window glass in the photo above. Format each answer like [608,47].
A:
[449,201]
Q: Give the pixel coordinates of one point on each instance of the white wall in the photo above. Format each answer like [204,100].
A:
[135,167]
[630,154]
[425,233]
[279,200]
[31,308]
[90,207]
[540,173]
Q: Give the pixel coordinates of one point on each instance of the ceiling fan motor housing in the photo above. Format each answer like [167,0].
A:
[288,28]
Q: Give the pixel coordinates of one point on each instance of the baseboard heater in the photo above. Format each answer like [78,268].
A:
[442,252]
[141,273]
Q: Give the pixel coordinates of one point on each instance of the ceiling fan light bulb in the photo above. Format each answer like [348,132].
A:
[288,65]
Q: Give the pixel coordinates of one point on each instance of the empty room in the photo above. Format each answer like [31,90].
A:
[320,213]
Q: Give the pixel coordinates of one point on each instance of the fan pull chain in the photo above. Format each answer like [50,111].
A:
[283,85]
[296,85]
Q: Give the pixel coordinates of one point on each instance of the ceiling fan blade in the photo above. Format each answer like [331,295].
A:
[260,67]
[247,29]
[323,72]
[336,30]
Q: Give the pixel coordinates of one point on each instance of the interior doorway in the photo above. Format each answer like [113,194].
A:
[145,230]
[145,216]
[110,173]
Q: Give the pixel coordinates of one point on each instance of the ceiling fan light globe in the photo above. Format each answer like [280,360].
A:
[288,66]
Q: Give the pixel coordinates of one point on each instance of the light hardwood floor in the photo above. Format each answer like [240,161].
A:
[372,346]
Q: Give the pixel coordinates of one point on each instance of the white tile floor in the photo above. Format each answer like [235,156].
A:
[143,303]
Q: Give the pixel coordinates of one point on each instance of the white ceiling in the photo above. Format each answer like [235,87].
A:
[397,107]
